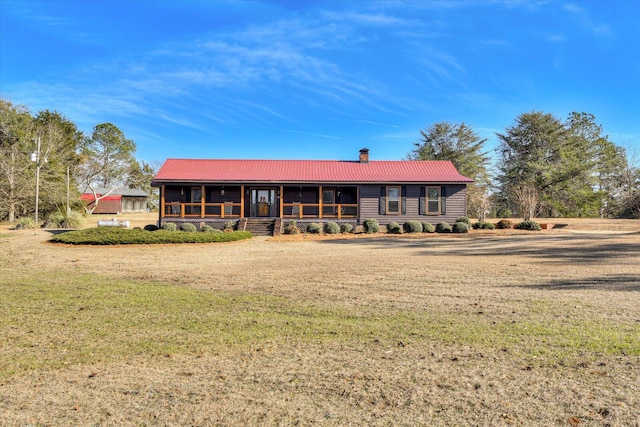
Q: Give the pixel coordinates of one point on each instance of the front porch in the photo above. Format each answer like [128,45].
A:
[206,202]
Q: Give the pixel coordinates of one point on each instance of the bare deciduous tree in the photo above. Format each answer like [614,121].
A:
[527,199]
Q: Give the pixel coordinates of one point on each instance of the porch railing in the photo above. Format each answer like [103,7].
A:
[233,210]
[312,210]
[200,210]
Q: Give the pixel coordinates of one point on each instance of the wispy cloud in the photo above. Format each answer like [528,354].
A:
[319,135]
[598,28]
[556,38]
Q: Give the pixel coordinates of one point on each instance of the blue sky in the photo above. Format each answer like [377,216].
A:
[319,79]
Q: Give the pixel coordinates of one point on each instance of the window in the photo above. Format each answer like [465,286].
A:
[433,200]
[393,200]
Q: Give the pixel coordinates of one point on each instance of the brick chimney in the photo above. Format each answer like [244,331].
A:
[364,155]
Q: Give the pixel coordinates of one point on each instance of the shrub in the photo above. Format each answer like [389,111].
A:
[291,228]
[428,227]
[331,228]
[443,227]
[503,224]
[60,220]
[229,225]
[346,228]
[24,223]
[169,226]
[188,227]
[412,227]
[464,219]
[313,228]
[371,226]
[206,228]
[483,225]
[150,227]
[529,225]
[460,227]
[393,228]
[124,236]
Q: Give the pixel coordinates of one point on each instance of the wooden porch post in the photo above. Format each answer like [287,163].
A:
[162,201]
[242,201]
[358,202]
[281,201]
[202,201]
[320,202]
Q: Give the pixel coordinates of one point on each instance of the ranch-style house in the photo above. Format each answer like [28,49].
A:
[262,195]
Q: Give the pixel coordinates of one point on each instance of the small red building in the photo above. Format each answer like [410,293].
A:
[118,201]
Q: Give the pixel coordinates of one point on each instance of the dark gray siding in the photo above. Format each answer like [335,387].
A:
[456,204]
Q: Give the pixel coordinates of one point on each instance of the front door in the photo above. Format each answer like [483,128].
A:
[196,197]
[263,202]
[328,202]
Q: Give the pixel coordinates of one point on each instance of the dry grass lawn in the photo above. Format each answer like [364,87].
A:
[490,328]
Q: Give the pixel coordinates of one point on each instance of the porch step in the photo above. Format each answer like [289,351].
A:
[260,226]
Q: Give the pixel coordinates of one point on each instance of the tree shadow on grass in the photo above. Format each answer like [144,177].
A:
[626,283]
[576,249]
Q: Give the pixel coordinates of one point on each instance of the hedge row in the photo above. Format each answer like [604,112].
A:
[123,236]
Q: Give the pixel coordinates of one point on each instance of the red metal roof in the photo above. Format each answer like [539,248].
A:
[303,171]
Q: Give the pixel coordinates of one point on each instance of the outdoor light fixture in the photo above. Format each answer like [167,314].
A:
[222,191]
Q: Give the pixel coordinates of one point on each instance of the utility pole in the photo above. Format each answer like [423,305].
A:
[35,157]
[68,207]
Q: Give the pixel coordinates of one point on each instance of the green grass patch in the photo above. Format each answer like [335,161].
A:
[55,320]
[123,236]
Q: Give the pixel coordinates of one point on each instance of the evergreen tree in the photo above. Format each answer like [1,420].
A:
[463,147]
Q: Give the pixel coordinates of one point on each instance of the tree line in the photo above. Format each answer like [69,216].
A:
[50,146]
[545,167]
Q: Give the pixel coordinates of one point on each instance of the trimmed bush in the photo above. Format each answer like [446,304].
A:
[412,227]
[371,226]
[331,228]
[466,220]
[188,227]
[428,227]
[443,227]
[290,227]
[346,228]
[124,236]
[460,227]
[169,226]
[229,225]
[393,228]
[483,226]
[205,228]
[528,225]
[313,228]
[150,227]
[504,224]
